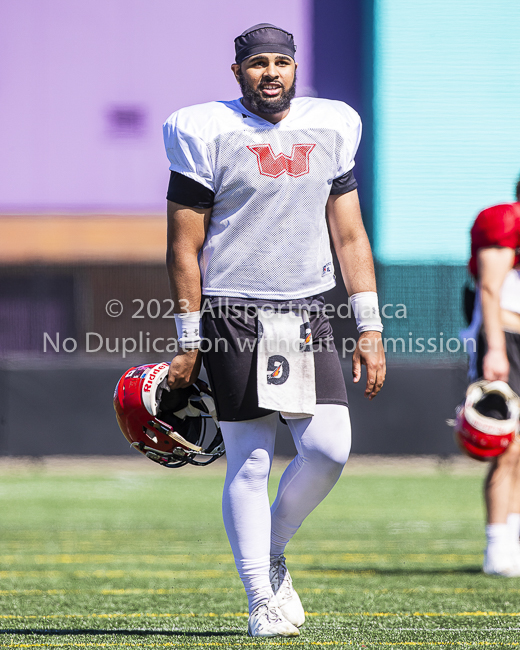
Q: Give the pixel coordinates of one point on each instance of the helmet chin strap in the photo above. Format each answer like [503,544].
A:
[175,436]
[188,451]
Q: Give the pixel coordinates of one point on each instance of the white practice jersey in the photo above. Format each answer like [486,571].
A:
[268,234]
[510,292]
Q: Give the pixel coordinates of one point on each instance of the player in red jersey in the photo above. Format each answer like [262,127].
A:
[495,263]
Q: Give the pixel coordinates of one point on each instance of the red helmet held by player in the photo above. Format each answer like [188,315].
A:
[488,420]
[167,426]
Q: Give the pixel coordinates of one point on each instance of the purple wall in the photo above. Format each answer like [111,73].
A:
[86,86]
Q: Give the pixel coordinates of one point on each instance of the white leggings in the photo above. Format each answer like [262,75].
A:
[256,531]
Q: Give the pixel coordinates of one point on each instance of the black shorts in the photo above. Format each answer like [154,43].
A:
[231,366]
[513,355]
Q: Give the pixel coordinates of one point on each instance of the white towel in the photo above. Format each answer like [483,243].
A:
[286,364]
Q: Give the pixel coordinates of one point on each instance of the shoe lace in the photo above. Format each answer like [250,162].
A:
[281,577]
[273,613]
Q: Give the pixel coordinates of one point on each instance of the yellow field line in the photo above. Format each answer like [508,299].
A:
[266,642]
[119,573]
[244,614]
[81,558]
[165,573]
[229,590]
[118,592]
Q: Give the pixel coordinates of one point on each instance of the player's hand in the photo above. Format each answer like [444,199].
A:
[495,365]
[184,369]
[369,352]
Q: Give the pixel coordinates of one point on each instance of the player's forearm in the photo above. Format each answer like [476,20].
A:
[184,278]
[493,266]
[490,298]
[357,265]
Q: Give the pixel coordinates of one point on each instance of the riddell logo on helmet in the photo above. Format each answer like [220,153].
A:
[149,380]
[297,164]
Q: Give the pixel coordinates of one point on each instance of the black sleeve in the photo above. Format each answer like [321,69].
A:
[186,191]
[344,184]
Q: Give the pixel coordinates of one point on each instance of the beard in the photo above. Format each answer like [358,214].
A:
[262,105]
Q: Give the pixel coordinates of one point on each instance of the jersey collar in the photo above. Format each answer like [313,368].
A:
[242,109]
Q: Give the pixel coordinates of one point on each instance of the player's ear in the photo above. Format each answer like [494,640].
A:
[236,70]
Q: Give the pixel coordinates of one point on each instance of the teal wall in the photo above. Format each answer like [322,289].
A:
[446,123]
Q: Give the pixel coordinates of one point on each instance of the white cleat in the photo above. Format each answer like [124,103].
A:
[505,563]
[281,584]
[267,620]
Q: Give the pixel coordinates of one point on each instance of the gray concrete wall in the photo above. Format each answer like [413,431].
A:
[59,407]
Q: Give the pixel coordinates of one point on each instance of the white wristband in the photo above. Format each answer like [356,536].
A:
[188,330]
[366,311]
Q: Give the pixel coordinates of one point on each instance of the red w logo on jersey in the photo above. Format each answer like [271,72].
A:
[297,164]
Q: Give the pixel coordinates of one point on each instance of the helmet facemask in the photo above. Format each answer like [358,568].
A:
[487,421]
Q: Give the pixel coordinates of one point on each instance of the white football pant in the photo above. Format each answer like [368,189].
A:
[255,530]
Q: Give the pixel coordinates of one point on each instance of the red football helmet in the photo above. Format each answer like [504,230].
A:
[488,420]
[167,426]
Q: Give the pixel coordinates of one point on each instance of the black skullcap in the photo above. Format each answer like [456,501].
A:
[263,38]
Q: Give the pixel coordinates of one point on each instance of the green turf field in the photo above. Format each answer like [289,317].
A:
[122,559]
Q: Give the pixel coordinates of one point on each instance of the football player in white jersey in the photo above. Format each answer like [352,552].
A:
[256,184]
